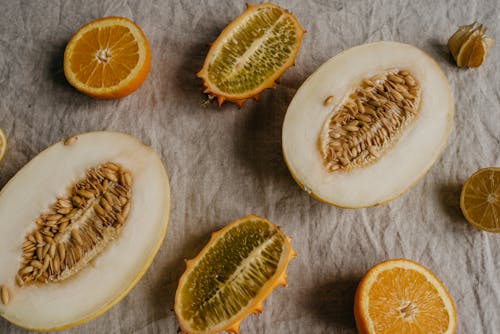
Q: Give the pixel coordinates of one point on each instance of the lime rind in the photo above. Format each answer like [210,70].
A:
[480,199]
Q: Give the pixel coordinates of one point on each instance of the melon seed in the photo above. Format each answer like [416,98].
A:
[5,295]
[328,101]
[70,140]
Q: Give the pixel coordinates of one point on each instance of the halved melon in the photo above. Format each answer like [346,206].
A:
[368,124]
[79,226]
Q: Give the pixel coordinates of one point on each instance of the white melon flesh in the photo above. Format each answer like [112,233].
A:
[108,278]
[403,163]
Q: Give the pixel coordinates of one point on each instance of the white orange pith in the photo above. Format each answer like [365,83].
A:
[402,296]
[231,276]
[107,58]
[251,53]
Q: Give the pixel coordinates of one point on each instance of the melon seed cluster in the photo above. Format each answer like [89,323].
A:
[77,228]
[373,118]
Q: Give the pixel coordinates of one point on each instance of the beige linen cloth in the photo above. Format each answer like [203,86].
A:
[224,163]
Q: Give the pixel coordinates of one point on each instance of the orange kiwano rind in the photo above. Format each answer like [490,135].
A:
[231,42]
[480,199]
[402,296]
[107,58]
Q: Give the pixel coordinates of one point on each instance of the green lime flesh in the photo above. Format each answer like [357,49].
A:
[255,50]
[231,273]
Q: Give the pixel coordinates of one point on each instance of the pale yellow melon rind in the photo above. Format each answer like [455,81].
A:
[154,249]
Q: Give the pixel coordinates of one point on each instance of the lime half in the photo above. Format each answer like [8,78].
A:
[232,275]
[480,199]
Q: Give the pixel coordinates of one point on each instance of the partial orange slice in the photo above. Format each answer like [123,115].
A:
[402,296]
[3,144]
[480,199]
[107,58]
[251,53]
[232,276]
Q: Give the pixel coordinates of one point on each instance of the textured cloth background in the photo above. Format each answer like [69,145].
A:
[224,163]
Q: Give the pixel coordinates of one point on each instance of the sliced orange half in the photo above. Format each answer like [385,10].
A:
[3,144]
[251,53]
[480,199]
[402,296]
[107,58]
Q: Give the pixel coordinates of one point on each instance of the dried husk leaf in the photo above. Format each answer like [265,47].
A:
[469,45]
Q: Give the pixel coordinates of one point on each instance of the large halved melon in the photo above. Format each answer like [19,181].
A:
[79,226]
[368,124]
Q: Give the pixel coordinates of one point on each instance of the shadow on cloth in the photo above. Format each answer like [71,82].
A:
[333,302]
[162,293]
[259,146]
[449,199]
[441,50]
[56,66]
[187,84]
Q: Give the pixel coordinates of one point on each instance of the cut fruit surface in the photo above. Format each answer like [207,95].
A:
[3,144]
[81,224]
[107,58]
[232,275]
[367,124]
[480,199]
[402,296]
[251,53]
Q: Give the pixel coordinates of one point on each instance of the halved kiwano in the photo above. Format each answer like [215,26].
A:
[402,296]
[3,144]
[368,124]
[107,58]
[81,223]
[251,53]
[232,275]
[480,199]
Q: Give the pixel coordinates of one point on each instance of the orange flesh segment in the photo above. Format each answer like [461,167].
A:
[404,301]
[104,56]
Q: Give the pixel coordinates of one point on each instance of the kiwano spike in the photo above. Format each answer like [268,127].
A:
[258,309]
[282,280]
[234,329]
[239,103]
[220,100]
